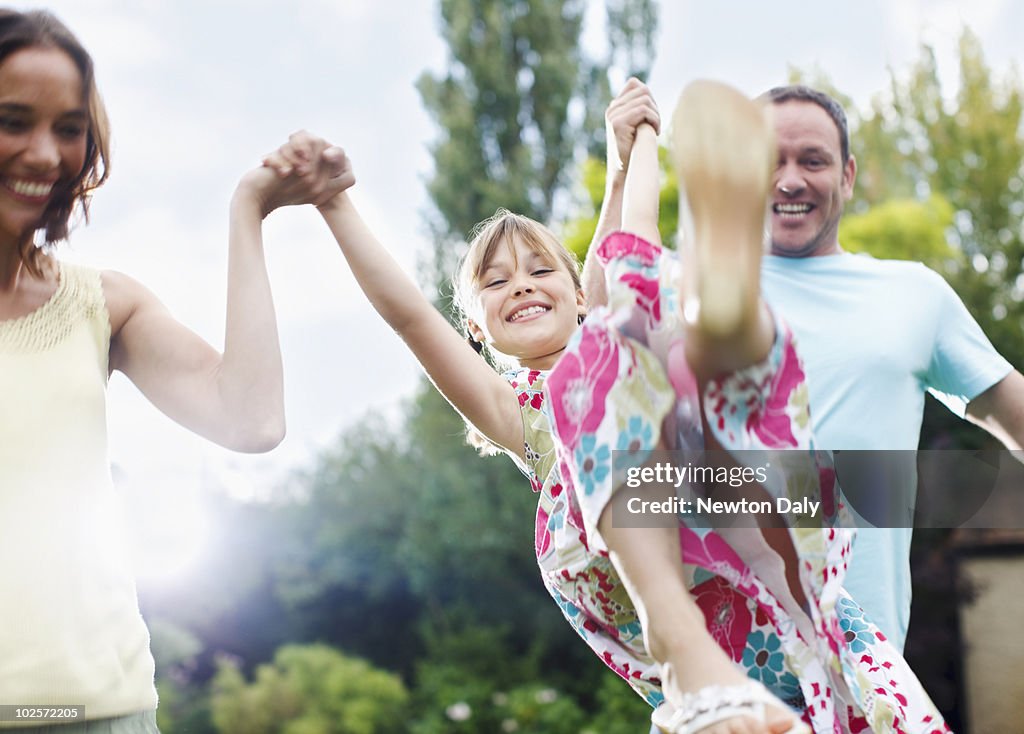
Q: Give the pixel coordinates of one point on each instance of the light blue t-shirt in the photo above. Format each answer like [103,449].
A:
[874,335]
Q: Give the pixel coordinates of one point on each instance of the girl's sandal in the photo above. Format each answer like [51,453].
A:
[713,704]
[723,151]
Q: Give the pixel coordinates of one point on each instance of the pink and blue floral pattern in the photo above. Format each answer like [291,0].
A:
[622,380]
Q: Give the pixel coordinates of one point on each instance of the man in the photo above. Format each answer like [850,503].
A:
[874,335]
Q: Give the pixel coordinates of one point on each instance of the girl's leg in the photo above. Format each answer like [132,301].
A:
[648,560]
[675,632]
[723,152]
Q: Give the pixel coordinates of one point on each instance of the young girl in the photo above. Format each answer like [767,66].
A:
[687,357]
[70,629]
[716,608]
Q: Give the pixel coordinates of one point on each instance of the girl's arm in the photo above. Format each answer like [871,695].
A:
[634,105]
[463,377]
[640,195]
[236,398]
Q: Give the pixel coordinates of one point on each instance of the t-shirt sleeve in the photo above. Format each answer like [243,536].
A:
[963,362]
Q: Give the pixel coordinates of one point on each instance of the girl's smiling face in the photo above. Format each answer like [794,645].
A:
[528,305]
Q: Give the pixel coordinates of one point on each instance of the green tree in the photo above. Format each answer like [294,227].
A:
[503,107]
[969,149]
[630,28]
[183,703]
[579,230]
[396,536]
[508,135]
[308,690]
[460,691]
[905,229]
[619,710]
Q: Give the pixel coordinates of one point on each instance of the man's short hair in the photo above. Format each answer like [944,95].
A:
[802,93]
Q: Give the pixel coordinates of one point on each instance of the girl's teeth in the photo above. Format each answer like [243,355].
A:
[527,312]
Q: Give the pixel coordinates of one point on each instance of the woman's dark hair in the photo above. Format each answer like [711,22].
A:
[41,29]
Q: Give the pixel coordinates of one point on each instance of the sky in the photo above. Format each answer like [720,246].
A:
[198,91]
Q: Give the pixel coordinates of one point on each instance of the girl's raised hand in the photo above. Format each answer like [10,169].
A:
[633,106]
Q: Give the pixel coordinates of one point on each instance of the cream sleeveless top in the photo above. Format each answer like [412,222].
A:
[70,628]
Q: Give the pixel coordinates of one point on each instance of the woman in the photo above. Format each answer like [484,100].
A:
[70,629]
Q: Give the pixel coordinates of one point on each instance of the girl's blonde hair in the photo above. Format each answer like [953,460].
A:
[501,230]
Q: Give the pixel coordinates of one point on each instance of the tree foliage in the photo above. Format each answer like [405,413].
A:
[410,531]
[579,230]
[518,101]
[919,141]
[308,690]
[904,229]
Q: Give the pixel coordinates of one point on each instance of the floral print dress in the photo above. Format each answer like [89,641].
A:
[622,386]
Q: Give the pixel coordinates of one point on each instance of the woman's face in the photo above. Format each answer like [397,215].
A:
[44,127]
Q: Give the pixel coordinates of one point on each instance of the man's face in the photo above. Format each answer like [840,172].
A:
[811,181]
